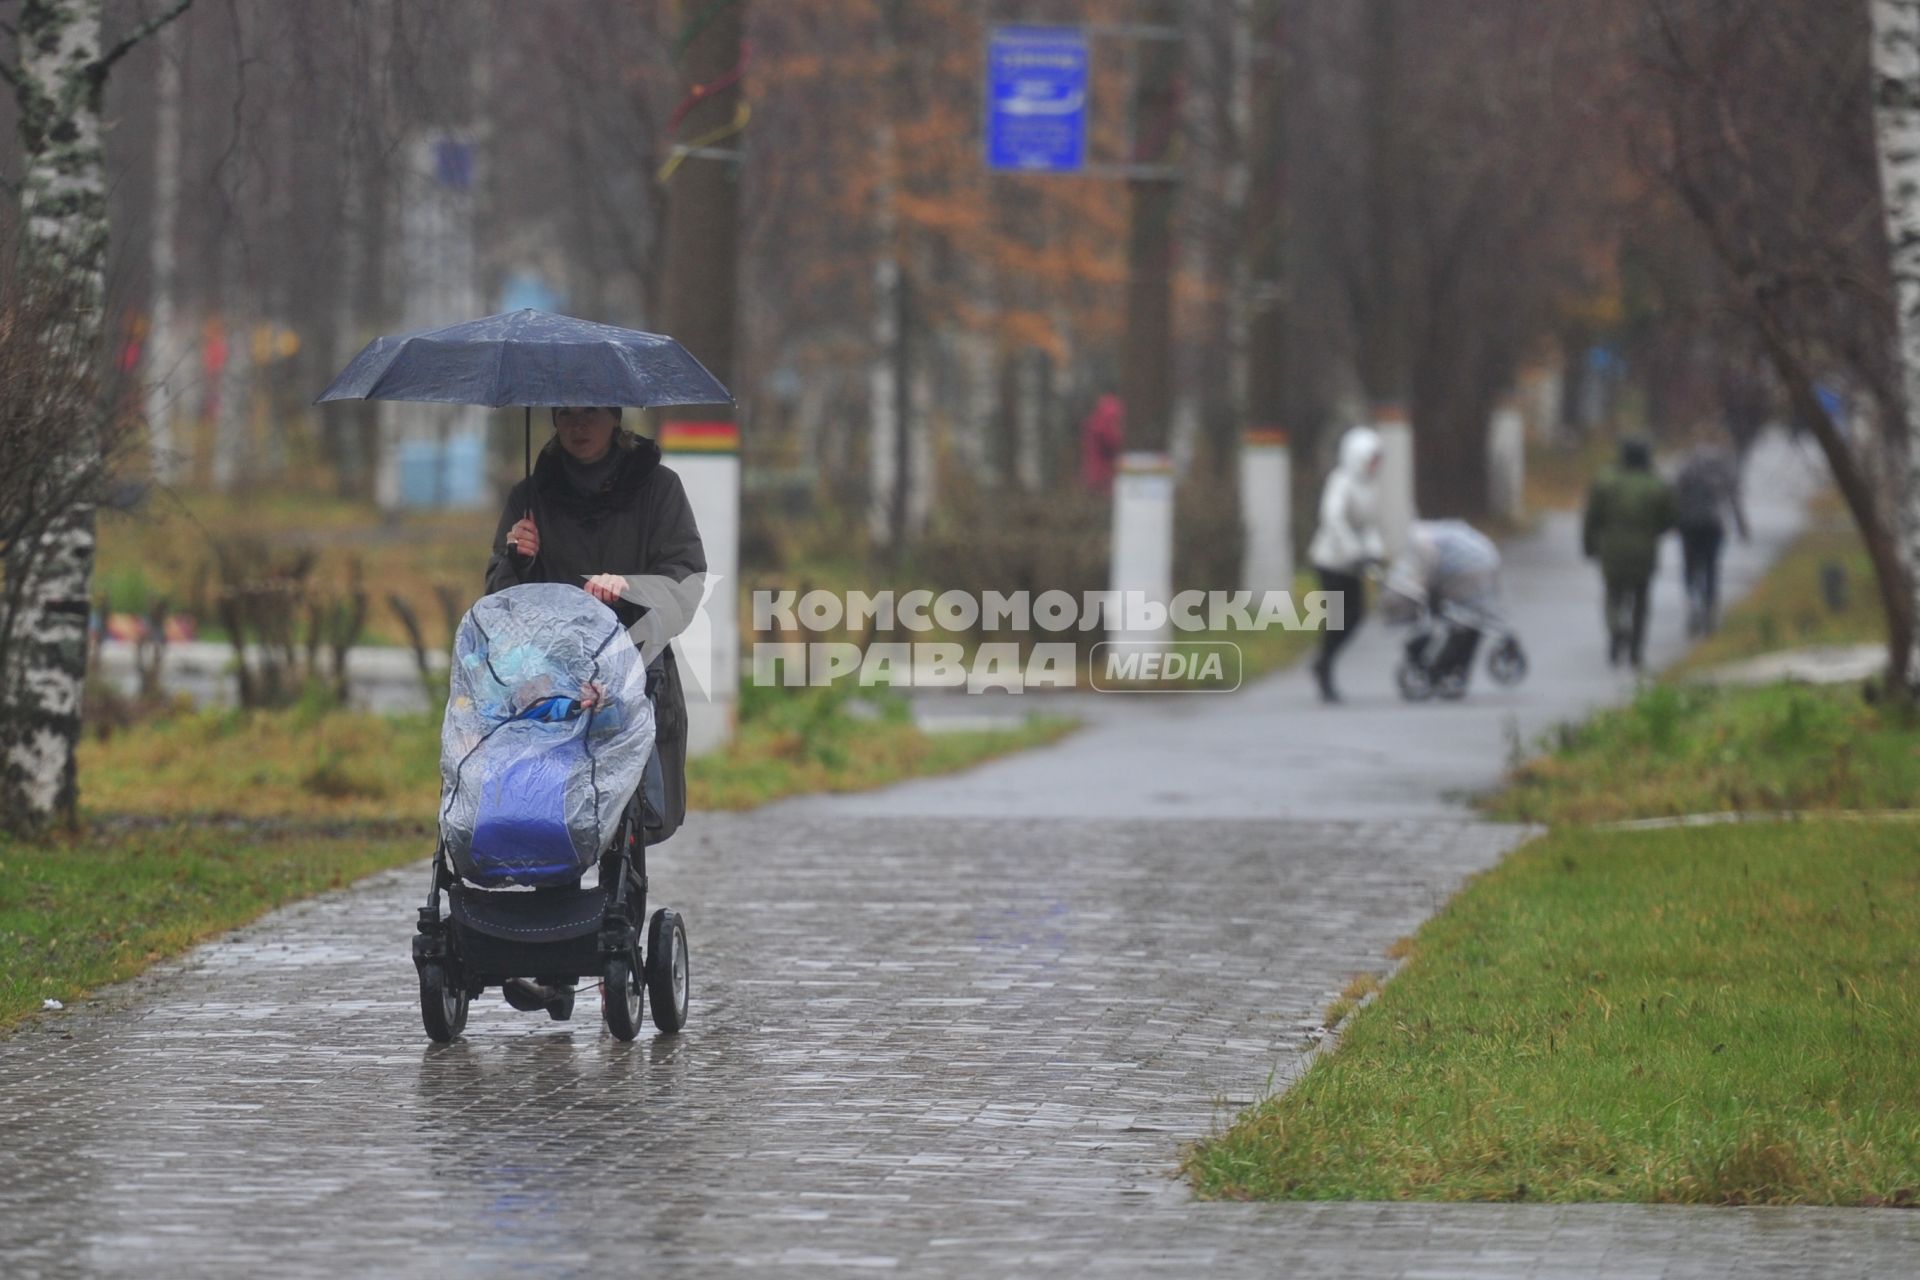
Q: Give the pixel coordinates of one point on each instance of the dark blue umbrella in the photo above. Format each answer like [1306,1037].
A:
[528,358]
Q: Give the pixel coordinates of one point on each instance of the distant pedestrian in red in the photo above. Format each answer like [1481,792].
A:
[1102,433]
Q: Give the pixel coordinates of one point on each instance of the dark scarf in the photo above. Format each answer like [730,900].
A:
[626,467]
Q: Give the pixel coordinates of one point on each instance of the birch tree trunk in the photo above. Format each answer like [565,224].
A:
[1896,126]
[59,86]
[64,202]
[164,349]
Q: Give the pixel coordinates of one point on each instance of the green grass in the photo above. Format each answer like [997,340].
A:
[1696,749]
[77,914]
[1710,1015]
[336,766]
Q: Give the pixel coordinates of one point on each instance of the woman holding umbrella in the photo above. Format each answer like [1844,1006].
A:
[599,511]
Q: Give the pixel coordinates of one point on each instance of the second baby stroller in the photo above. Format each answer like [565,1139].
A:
[1446,583]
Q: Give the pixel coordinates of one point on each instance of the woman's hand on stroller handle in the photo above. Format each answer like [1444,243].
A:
[606,587]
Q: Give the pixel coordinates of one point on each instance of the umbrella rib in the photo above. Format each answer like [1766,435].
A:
[499,367]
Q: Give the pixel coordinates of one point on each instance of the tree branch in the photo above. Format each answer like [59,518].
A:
[134,37]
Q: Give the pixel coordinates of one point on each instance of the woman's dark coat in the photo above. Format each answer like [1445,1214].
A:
[638,525]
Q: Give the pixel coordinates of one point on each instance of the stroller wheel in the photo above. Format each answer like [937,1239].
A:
[1415,684]
[1507,664]
[667,970]
[620,999]
[443,1005]
[1452,686]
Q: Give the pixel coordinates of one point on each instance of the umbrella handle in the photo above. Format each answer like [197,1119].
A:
[526,442]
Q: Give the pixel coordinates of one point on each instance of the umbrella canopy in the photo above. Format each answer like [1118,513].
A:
[528,357]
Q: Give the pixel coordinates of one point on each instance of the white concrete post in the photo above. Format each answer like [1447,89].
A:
[706,457]
[1266,511]
[1142,543]
[1396,474]
[1507,461]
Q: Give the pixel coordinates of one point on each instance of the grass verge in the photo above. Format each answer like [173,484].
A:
[1714,1015]
[1706,1015]
[76,914]
[1694,749]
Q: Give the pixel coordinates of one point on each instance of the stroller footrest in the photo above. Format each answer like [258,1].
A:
[547,915]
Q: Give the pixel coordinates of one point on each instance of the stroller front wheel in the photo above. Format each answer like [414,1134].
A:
[1507,664]
[620,999]
[667,970]
[443,1005]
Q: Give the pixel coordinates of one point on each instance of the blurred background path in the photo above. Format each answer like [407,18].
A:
[1274,751]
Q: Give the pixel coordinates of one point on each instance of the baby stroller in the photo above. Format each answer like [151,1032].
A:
[549,770]
[1438,657]
[1446,584]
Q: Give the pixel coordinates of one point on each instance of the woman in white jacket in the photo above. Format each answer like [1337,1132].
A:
[1346,542]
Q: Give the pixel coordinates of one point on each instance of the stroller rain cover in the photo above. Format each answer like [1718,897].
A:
[533,782]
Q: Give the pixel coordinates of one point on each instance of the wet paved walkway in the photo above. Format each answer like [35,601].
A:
[962,1028]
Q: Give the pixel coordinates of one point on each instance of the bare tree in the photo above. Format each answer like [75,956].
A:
[1758,124]
[58,84]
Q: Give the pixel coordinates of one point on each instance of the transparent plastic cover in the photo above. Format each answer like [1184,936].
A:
[547,733]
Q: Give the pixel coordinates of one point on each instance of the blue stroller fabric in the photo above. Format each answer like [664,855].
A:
[547,734]
[521,828]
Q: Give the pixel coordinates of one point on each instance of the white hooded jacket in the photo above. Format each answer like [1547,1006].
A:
[1349,532]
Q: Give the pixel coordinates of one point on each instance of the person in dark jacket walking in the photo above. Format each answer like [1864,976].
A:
[601,512]
[1707,485]
[1628,508]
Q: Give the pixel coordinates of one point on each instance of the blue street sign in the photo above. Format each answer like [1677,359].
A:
[1037,99]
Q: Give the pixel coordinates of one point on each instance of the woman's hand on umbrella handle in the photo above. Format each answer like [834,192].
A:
[606,587]
[524,537]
